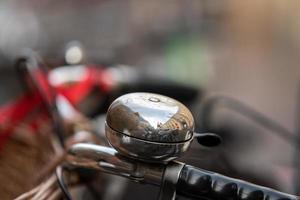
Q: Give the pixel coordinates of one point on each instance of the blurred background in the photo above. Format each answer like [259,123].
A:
[247,50]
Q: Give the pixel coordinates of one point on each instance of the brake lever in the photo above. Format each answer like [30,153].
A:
[108,160]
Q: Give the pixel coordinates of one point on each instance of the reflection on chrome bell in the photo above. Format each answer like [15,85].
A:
[149,127]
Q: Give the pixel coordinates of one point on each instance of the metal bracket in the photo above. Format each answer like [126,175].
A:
[169,182]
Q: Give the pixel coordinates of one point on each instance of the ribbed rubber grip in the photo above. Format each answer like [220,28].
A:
[198,183]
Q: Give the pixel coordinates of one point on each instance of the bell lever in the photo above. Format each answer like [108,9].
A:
[208,139]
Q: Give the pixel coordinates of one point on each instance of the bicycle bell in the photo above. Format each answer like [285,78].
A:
[149,127]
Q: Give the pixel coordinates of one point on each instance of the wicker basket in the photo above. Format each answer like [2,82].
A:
[21,159]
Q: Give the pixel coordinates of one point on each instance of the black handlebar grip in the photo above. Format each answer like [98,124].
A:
[198,183]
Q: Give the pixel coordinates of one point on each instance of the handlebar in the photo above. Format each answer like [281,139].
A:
[184,179]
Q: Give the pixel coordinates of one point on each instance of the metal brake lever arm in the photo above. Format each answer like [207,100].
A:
[108,160]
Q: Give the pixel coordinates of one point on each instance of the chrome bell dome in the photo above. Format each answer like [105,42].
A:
[149,127]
